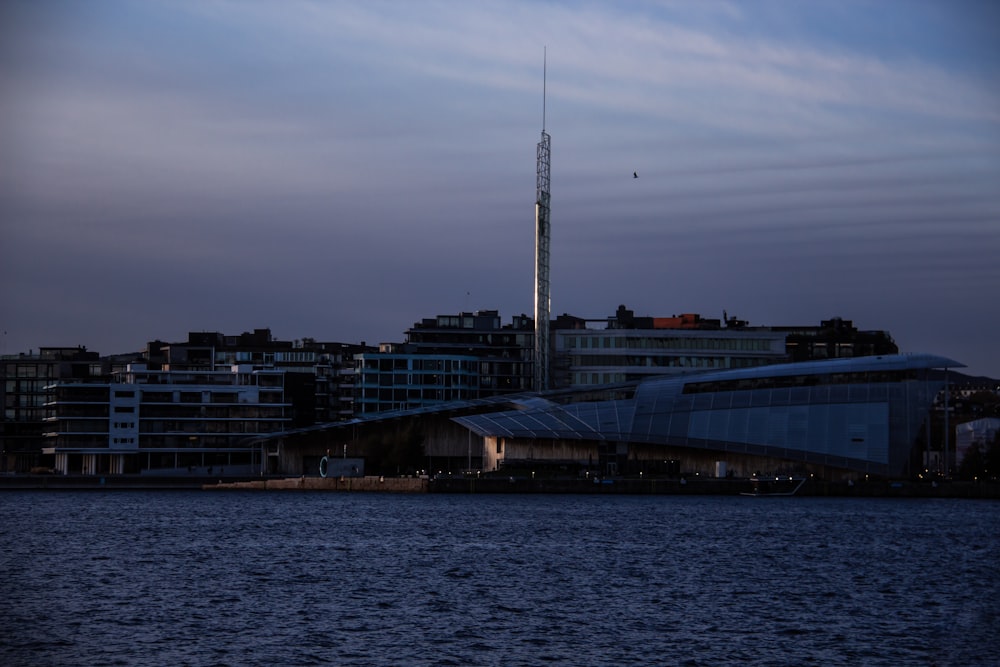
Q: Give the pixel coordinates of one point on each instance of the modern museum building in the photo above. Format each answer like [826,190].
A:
[837,418]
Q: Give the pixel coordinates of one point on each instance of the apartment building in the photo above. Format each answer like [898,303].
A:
[447,358]
[23,379]
[196,406]
[625,348]
[168,421]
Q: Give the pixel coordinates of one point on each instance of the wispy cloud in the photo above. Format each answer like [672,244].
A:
[307,144]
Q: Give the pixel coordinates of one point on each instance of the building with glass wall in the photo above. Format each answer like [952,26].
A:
[444,359]
[392,380]
[624,347]
[837,417]
[504,351]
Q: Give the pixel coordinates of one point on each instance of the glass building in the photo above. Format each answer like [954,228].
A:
[831,417]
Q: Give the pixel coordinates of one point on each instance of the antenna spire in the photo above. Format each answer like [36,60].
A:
[544,78]
[542,240]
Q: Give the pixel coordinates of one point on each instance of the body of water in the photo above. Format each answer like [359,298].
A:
[219,578]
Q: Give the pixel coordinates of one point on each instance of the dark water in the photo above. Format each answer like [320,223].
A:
[198,578]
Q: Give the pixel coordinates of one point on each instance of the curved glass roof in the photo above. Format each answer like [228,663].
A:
[613,420]
[885,362]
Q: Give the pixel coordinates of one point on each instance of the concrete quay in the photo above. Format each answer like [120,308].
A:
[49,482]
[620,486]
[342,484]
[981,489]
[720,486]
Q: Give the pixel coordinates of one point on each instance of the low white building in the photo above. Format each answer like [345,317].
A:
[978,432]
[159,421]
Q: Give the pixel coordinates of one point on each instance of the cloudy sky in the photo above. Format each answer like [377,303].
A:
[341,170]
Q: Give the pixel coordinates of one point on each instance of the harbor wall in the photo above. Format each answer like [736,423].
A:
[713,486]
[981,489]
[357,484]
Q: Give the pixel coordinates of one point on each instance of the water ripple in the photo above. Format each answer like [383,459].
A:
[355,579]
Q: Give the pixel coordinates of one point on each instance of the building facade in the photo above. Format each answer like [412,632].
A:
[625,348]
[394,379]
[331,365]
[504,351]
[833,418]
[444,359]
[976,434]
[162,421]
[23,382]
[201,405]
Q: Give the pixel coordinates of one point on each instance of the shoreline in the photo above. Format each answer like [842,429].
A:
[508,485]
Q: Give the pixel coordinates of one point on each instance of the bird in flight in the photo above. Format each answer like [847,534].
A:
[635,174]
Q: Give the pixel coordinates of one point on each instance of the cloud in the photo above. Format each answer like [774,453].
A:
[377,159]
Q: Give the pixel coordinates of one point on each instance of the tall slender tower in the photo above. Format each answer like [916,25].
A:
[542,237]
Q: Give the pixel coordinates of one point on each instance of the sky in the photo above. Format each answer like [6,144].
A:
[342,170]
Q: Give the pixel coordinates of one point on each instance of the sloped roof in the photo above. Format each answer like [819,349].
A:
[614,419]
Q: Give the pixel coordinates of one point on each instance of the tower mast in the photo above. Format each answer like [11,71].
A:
[542,237]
